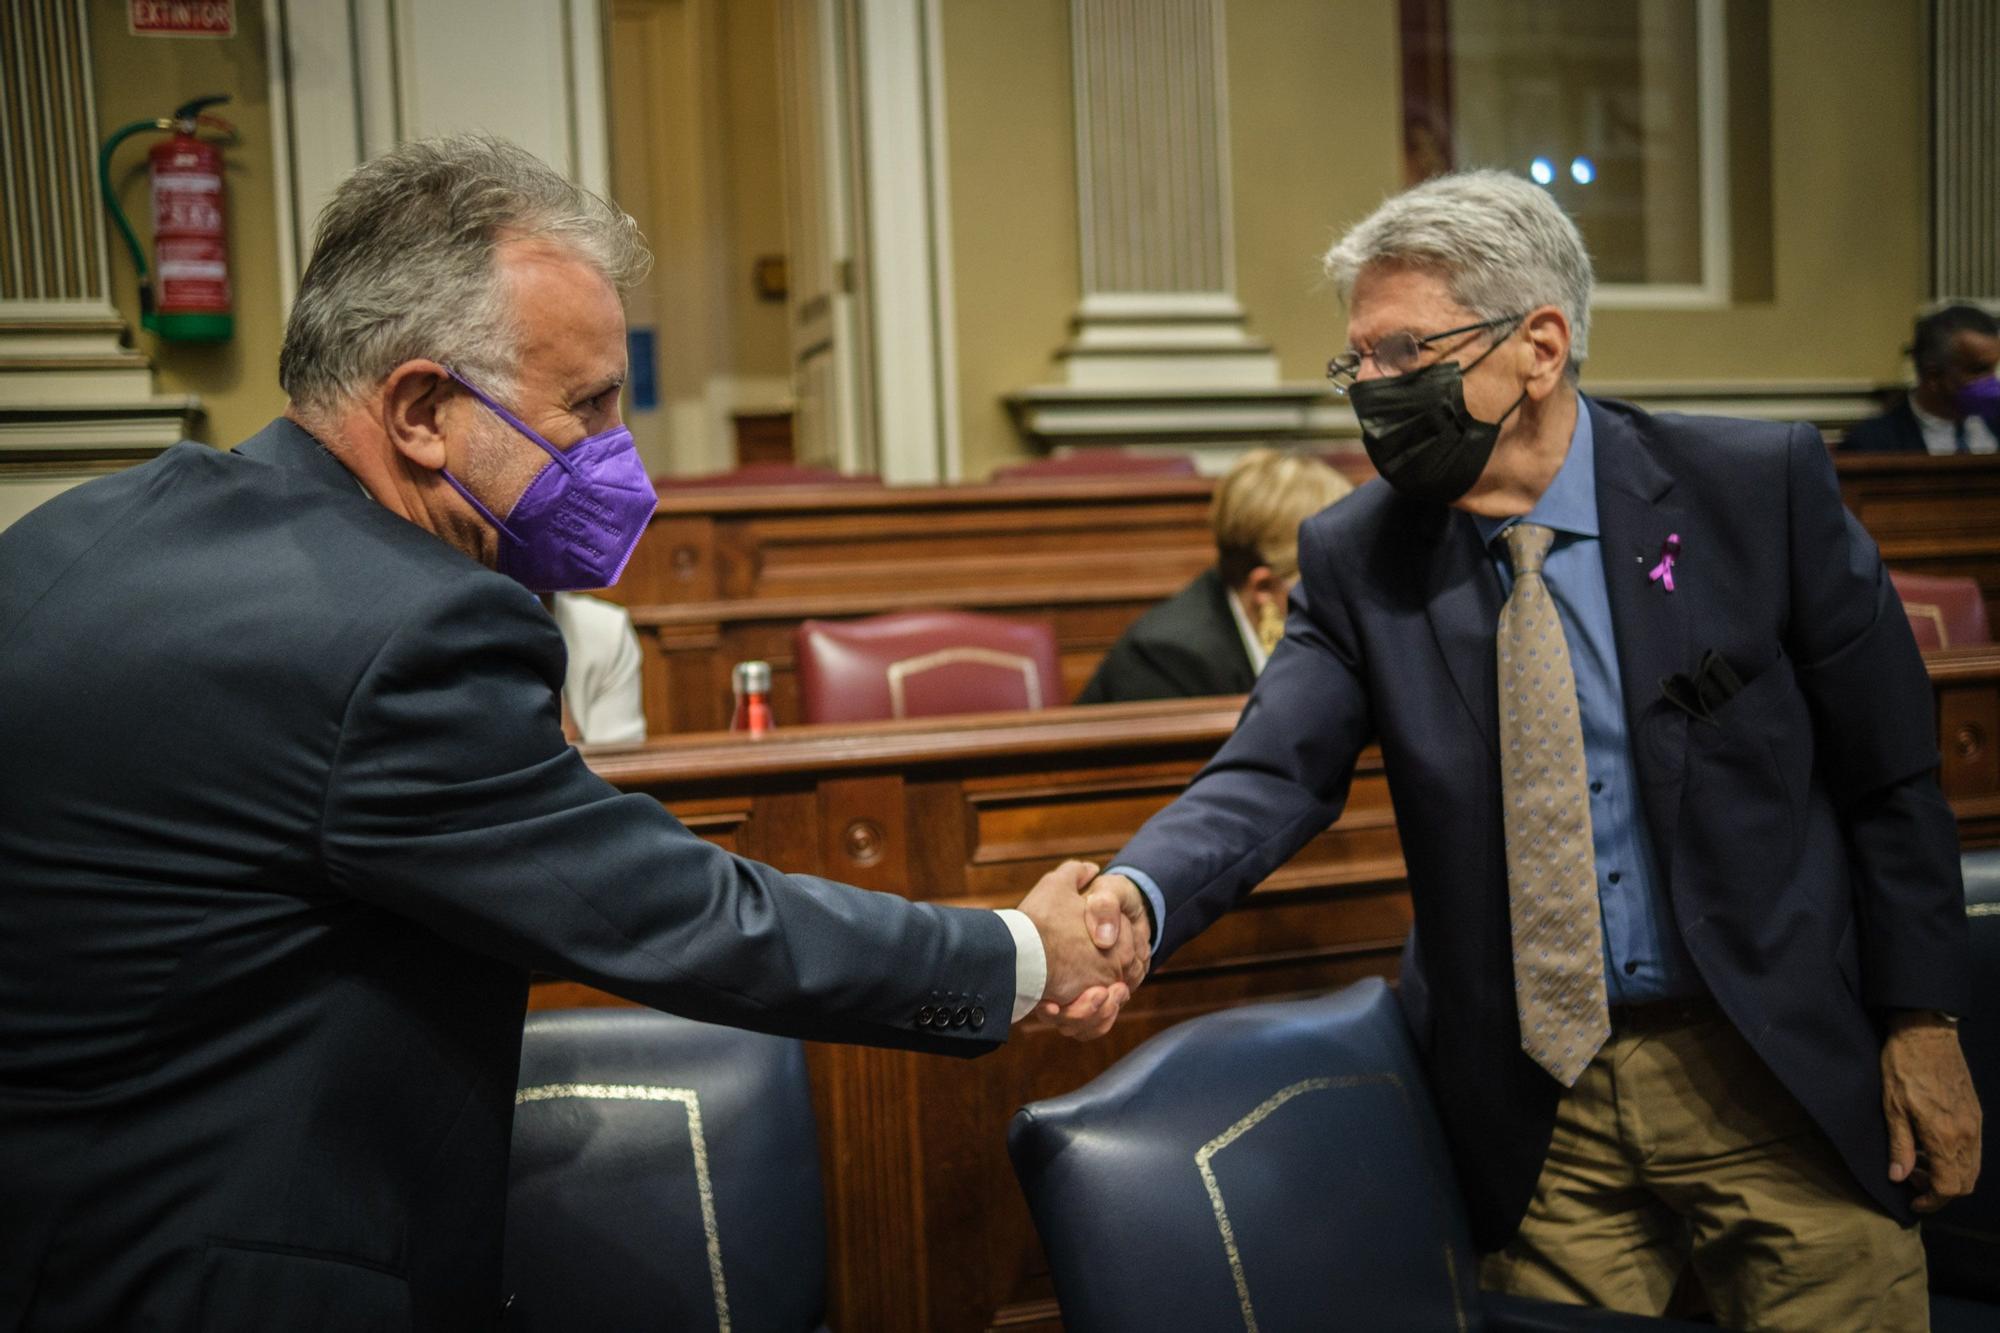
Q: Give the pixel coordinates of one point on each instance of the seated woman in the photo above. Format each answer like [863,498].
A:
[1212,636]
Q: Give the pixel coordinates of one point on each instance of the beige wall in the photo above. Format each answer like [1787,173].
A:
[753,184]
[143,77]
[1314,88]
[1848,202]
[1012,178]
[1314,141]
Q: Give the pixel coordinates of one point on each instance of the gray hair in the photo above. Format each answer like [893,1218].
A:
[402,264]
[1501,244]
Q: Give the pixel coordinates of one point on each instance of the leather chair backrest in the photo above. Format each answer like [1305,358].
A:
[665,1174]
[1943,612]
[924,664]
[1964,1239]
[1087,463]
[1276,1165]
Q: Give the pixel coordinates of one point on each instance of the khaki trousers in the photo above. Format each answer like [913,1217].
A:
[1678,1146]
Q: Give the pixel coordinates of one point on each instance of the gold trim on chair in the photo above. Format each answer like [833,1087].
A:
[912,666]
[1206,1154]
[1927,611]
[697,1143]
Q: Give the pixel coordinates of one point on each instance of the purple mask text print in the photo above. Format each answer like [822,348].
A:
[576,524]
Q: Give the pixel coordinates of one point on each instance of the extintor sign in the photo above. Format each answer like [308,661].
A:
[181,18]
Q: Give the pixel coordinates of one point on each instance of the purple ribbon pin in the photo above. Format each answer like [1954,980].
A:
[1663,573]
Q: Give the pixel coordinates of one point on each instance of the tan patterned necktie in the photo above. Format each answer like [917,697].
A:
[1551,861]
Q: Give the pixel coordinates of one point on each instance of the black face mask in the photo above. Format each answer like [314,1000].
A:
[1420,436]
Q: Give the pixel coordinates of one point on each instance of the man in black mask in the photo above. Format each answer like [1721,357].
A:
[1660,746]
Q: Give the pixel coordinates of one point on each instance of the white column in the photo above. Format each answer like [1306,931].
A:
[1965,150]
[74,401]
[1153,201]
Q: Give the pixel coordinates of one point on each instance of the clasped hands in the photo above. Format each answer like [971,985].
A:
[1098,942]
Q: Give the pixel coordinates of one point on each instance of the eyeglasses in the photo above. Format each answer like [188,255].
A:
[1400,353]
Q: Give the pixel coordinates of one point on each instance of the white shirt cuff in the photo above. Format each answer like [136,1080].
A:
[1031,963]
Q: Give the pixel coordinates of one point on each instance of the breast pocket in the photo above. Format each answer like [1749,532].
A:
[1750,765]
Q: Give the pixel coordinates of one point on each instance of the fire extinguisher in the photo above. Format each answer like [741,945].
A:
[186,297]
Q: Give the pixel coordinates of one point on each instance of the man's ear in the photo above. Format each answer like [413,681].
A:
[1547,330]
[414,407]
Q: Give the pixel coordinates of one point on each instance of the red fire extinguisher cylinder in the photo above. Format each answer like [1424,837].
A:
[190,241]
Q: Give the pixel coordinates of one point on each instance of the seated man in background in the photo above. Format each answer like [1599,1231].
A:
[601,699]
[1212,636]
[1956,401]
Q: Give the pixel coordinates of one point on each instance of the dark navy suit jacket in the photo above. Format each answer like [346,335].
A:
[1187,647]
[1809,855]
[1896,431]
[288,820]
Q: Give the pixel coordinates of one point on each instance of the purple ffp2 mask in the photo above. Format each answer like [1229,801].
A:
[1981,398]
[578,521]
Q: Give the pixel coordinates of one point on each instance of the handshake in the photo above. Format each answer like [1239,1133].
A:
[1097,938]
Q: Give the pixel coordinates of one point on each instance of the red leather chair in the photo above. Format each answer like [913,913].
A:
[764,474]
[1943,612]
[924,664]
[1086,463]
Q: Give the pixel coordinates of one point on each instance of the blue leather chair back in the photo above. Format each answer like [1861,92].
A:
[1964,1239]
[665,1174]
[1276,1166]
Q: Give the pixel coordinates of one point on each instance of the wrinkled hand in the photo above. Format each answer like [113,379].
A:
[1096,956]
[1933,1113]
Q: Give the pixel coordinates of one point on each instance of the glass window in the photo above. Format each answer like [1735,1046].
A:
[1614,106]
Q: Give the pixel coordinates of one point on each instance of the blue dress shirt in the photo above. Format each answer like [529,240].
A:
[1644,958]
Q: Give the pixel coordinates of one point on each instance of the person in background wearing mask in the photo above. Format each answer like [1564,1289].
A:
[290,817]
[1955,406]
[1213,636]
[1661,754]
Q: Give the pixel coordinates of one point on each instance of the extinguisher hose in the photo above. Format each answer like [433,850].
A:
[119,136]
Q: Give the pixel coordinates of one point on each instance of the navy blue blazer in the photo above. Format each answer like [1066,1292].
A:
[1896,431]
[1809,855]
[288,821]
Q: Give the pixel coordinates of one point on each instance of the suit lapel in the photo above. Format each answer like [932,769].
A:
[1464,609]
[1637,511]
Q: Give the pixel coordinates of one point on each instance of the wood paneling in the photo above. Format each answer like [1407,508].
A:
[1930,515]
[927,1228]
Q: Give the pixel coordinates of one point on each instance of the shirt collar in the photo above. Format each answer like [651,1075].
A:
[1252,645]
[1934,425]
[1569,505]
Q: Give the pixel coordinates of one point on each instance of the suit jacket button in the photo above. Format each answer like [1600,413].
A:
[924,1014]
[961,1016]
[978,1018]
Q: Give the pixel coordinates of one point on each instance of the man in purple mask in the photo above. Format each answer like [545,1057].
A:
[290,819]
[1954,407]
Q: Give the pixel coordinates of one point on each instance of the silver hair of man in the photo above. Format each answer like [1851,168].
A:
[402,265]
[1501,244]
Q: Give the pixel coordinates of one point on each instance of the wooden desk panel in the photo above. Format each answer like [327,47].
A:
[1930,515]
[927,1227]
[759,544]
